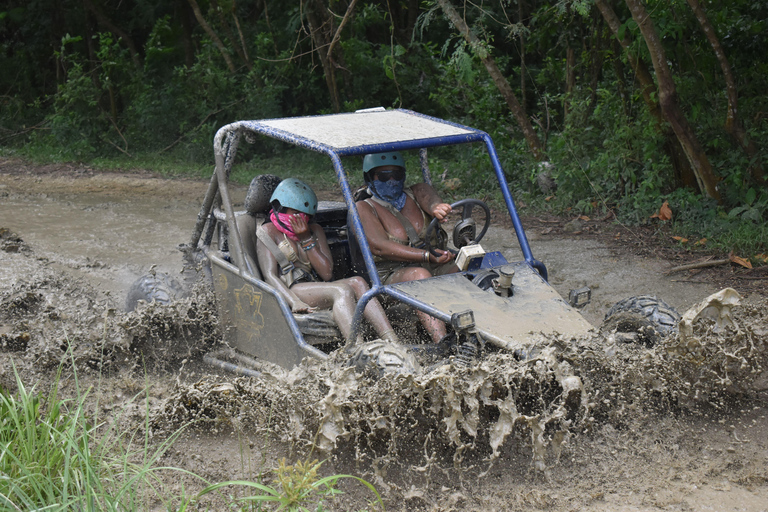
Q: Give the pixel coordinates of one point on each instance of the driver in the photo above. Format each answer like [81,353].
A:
[395,221]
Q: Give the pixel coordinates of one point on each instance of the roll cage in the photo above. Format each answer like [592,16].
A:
[342,135]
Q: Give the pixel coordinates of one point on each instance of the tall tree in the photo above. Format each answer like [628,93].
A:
[107,23]
[649,93]
[705,176]
[214,37]
[733,124]
[325,36]
[502,84]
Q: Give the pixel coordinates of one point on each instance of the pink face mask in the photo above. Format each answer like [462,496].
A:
[282,222]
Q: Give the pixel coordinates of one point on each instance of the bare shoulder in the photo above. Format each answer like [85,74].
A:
[364,208]
[422,188]
[271,230]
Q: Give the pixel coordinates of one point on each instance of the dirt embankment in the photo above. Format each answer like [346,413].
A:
[682,426]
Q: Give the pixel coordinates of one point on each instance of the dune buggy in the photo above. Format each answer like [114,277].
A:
[491,304]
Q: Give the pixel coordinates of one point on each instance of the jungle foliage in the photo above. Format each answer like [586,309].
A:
[568,82]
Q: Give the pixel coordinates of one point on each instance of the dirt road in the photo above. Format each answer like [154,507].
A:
[75,239]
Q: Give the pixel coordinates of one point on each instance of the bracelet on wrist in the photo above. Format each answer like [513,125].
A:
[309,246]
[425,257]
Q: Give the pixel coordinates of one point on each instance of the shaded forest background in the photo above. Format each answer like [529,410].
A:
[623,103]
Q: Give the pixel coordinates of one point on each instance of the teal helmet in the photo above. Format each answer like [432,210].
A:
[293,193]
[374,160]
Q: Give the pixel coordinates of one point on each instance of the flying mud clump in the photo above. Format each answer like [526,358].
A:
[162,336]
[47,320]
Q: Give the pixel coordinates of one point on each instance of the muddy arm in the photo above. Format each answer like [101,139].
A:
[429,201]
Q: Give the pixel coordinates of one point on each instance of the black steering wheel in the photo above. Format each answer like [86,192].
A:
[466,225]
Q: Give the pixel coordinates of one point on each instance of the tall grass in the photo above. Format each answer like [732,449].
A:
[53,457]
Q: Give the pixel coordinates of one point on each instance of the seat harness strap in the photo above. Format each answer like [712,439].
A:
[286,267]
[413,237]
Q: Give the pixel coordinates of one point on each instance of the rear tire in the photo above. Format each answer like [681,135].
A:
[377,358]
[642,319]
[156,287]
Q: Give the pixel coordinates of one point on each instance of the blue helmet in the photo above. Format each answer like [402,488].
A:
[293,193]
[374,160]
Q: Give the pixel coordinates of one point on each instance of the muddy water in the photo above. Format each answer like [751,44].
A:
[679,427]
[108,240]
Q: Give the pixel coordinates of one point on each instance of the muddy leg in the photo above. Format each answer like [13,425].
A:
[434,327]
[338,295]
[373,312]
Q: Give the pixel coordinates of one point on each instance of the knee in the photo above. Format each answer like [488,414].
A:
[344,293]
[416,273]
[358,284]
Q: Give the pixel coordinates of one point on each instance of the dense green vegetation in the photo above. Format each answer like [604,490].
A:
[148,84]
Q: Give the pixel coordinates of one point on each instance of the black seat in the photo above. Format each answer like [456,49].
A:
[256,208]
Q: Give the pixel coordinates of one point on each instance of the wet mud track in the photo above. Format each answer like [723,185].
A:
[680,427]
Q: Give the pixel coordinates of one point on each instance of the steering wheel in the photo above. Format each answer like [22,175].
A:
[464,227]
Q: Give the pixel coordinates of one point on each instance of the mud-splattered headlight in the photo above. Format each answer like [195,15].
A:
[580,297]
[463,321]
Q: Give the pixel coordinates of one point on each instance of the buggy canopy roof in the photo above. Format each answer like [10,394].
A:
[364,131]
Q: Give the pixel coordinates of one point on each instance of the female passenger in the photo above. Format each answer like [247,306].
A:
[304,281]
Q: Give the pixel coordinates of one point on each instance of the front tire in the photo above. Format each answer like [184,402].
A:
[643,319]
[377,358]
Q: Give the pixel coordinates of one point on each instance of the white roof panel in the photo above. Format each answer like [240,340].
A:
[365,128]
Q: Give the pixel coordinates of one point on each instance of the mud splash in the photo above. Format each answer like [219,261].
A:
[465,418]
[410,433]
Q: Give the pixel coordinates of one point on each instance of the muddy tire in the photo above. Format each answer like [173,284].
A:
[643,319]
[377,358]
[158,287]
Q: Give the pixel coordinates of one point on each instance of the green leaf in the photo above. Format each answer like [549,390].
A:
[751,196]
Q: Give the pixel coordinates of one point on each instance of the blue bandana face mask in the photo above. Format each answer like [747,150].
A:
[390,191]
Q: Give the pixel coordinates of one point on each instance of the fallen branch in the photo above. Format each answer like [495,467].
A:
[38,126]
[701,264]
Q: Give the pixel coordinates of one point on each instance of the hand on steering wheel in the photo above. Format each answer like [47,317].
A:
[468,205]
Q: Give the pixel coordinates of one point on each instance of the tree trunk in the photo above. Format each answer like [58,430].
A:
[684,174]
[523,71]
[596,54]
[320,28]
[732,121]
[618,69]
[239,48]
[212,35]
[186,33]
[643,76]
[705,176]
[498,78]
[570,79]
[107,23]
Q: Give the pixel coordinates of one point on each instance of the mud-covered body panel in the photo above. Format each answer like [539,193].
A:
[506,322]
[253,319]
